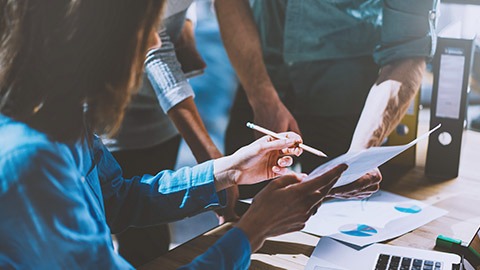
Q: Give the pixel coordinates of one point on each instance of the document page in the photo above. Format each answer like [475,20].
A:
[360,163]
[380,217]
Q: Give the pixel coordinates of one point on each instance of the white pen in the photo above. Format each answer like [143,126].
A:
[278,136]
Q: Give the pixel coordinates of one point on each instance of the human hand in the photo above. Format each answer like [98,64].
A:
[285,204]
[362,188]
[187,53]
[263,159]
[273,115]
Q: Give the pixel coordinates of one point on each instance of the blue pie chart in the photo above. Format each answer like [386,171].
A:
[359,230]
[408,208]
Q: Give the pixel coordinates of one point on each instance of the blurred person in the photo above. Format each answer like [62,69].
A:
[340,73]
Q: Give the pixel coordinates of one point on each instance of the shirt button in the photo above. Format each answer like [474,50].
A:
[83,179]
[290,64]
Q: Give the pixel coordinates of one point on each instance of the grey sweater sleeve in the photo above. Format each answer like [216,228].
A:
[166,76]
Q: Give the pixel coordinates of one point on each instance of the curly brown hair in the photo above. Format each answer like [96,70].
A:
[64,63]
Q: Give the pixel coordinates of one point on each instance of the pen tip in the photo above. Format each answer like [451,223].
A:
[250,125]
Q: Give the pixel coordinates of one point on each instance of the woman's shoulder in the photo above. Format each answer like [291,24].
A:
[25,151]
[16,136]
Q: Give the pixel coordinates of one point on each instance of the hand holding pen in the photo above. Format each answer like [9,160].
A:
[277,136]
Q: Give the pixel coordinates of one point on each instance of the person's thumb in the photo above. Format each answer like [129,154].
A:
[286,180]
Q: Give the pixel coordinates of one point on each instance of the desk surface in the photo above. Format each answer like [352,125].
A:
[459,196]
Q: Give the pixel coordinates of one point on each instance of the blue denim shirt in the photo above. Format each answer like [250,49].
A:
[59,204]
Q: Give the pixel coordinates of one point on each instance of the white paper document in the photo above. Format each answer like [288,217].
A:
[381,217]
[360,163]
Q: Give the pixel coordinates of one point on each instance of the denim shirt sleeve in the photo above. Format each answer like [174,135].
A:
[166,76]
[45,220]
[408,30]
[148,200]
[232,251]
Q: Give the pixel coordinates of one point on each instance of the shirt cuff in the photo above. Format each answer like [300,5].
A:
[408,30]
[418,48]
[171,97]
[166,76]
[203,180]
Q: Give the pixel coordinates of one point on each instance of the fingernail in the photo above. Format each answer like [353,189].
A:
[275,169]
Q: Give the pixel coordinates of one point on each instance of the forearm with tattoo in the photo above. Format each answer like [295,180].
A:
[388,102]
[396,108]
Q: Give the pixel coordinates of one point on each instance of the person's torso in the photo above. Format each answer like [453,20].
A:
[313,30]
[318,53]
[29,216]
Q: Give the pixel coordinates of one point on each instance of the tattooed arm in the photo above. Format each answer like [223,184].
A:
[388,101]
[386,104]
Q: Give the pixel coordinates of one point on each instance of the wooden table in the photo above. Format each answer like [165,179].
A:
[461,197]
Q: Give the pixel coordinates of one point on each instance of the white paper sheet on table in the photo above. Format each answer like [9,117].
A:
[360,163]
[381,217]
